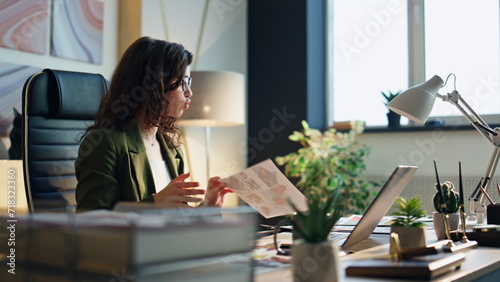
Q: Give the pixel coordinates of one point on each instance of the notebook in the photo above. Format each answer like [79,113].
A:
[378,208]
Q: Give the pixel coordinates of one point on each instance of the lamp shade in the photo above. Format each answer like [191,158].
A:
[218,99]
[416,102]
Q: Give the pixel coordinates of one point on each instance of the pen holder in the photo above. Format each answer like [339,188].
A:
[493,214]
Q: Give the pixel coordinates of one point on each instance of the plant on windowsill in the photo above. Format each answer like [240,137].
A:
[406,223]
[393,119]
[452,201]
[389,96]
[330,161]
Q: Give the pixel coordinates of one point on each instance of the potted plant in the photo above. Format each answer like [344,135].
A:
[393,118]
[406,223]
[330,161]
[313,245]
[452,201]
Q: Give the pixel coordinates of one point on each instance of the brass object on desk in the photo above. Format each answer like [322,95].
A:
[464,244]
[487,228]
[394,247]
[447,230]
[464,226]
[442,207]
[459,246]
[420,267]
[420,263]
[486,235]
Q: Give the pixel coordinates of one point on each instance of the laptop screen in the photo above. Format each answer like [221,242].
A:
[380,205]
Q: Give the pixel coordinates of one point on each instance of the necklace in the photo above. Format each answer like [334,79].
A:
[149,135]
[150,140]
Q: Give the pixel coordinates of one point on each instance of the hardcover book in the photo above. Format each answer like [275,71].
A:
[102,241]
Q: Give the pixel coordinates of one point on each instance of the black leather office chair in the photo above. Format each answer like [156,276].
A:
[57,108]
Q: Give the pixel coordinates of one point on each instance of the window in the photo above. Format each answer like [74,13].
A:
[465,43]
[371,53]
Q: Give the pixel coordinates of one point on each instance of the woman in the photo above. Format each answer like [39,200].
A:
[131,152]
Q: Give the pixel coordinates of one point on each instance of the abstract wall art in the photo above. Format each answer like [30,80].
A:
[77,30]
[12,79]
[24,25]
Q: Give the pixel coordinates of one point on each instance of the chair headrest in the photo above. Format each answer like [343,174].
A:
[78,94]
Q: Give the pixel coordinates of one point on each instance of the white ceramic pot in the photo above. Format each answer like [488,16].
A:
[453,222]
[315,262]
[410,237]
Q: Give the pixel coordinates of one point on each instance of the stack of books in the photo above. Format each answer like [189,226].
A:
[192,244]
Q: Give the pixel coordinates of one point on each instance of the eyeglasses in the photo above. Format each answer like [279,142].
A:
[186,82]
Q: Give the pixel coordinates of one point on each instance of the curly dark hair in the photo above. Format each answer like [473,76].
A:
[142,81]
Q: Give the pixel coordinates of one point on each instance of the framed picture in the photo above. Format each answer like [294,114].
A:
[77,30]
[24,25]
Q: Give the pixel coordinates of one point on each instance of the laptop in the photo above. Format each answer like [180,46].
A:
[379,207]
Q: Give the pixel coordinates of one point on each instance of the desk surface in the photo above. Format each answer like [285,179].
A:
[478,262]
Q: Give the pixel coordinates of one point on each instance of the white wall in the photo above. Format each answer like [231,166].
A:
[109,57]
[420,148]
[222,47]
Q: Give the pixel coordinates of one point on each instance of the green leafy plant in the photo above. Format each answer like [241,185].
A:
[330,161]
[408,212]
[389,96]
[315,225]
[451,197]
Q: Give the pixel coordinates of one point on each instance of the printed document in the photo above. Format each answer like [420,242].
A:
[264,187]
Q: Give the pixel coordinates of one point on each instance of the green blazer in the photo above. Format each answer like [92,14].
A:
[113,166]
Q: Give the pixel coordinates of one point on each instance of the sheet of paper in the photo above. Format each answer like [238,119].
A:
[264,187]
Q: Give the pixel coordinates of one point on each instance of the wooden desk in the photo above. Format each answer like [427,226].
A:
[480,262]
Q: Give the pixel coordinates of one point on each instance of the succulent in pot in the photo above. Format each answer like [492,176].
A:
[406,224]
[451,198]
[315,225]
[408,212]
[313,229]
[452,202]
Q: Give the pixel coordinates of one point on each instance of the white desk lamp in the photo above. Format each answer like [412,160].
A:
[416,104]
[217,101]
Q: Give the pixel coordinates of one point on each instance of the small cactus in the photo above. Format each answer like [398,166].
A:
[450,195]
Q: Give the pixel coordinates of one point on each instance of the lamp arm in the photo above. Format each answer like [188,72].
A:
[490,170]
[476,199]
[474,119]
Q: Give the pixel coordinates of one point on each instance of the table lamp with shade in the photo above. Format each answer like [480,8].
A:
[217,101]
[416,104]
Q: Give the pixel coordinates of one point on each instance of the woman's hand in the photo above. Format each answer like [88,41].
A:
[216,192]
[176,194]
